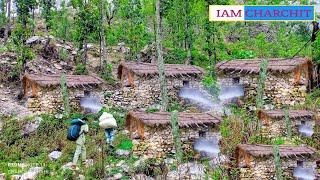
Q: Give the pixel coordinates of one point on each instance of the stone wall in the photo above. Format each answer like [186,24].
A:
[49,100]
[278,127]
[145,91]
[158,141]
[264,167]
[280,89]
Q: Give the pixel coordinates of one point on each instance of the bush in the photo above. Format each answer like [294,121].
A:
[81,69]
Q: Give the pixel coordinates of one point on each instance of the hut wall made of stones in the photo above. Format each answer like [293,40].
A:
[158,142]
[277,127]
[49,100]
[142,92]
[264,167]
[280,88]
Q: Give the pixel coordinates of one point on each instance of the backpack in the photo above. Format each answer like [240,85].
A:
[74,129]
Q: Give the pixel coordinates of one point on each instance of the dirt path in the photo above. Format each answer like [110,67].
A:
[9,105]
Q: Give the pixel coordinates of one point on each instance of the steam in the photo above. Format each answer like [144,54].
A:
[230,92]
[306,130]
[204,100]
[197,97]
[209,147]
[304,173]
[91,104]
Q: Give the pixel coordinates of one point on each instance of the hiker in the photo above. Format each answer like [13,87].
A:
[108,123]
[77,133]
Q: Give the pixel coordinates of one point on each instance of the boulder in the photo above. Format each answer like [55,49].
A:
[69,166]
[123,153]
[31,126]
[34,40]
[117,176]
[54,155]
[31,174]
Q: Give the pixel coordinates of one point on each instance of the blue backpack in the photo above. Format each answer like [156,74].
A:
[74,129]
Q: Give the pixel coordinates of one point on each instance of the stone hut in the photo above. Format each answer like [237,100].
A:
[257,161]
[153,135]
[274,123]
[287,82]
[43,92]
[141,87]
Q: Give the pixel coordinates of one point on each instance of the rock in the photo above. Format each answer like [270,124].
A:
[15,177]
[54,155]
[141,177]
[81,177]
[120,163]
[31,174]
[121,44]
[121,152]
[117,176]
[58,116]
[187,171]
[89,162]
[34,40]
[69,166]
[31,126]
[217,161]
[2,176]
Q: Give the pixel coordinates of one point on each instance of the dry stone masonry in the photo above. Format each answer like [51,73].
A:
[46,96]
[152,132]
[257,161]
[141,87]
[274,123]
[287,83]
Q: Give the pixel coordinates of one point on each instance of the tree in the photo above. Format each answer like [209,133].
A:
[103,50]
[8,13]
[261,83]
[277,162]
[160,61]
[176,136]
[47,15]
[86,17]
[65,94]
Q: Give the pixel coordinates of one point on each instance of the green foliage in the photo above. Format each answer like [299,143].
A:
[261,83]
[277,162]
[106,74]
[125,144]
[81,69]
[176,136]
[175,56]
[65,94]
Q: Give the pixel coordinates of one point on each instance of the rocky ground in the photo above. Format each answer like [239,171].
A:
[9,105]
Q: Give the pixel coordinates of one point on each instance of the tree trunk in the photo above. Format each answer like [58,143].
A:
[188,34]
[163,83]
[103,37]
[6,31]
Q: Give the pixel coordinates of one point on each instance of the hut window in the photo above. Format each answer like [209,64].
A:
[303,122]
[236,80]
[87,93]
[186,83]
[202,134]
[300,163]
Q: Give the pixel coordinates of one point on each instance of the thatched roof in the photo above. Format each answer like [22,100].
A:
[267,150]
[253,65]
[164,118]
[293,114]
[151,69]
[44,80]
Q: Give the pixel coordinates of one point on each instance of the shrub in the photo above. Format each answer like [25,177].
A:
[81,69]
